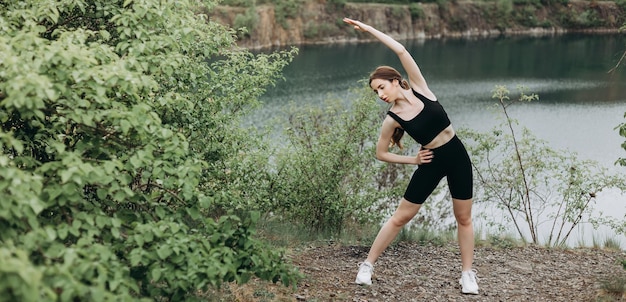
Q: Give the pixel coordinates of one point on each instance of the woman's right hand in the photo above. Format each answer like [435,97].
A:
[424,156]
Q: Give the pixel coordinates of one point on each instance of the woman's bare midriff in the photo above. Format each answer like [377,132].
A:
[441,139]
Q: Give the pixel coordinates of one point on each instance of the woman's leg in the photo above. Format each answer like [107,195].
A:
[403,214]
[463,215]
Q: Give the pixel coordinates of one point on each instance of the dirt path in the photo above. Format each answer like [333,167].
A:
[412,272]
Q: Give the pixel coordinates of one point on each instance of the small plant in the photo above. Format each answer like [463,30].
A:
[416,10]
[533,184]
[503,241]
[238,3]
[423,236]
[611,243]
[246,22]
[397,11]
[325,176]
[613,288]
[285,9]
[526,16]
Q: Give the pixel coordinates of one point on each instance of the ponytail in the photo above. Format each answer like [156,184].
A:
[396,137]
[404,84]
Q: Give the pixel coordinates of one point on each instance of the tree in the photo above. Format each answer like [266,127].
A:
[119,120]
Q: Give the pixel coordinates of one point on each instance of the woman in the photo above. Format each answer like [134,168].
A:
[415,110]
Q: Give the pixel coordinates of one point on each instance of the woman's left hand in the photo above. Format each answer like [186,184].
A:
[358,25]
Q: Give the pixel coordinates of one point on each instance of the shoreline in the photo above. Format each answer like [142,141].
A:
[473,34]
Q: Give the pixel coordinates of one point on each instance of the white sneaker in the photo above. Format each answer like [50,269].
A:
[469,282]
[365,274]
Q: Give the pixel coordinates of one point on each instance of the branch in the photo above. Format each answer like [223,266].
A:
[618,63]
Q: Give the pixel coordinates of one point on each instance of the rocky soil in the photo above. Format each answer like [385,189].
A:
[414,272]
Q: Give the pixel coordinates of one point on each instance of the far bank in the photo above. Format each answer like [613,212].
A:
[319,21]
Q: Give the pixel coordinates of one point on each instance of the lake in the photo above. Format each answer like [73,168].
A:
[579,105]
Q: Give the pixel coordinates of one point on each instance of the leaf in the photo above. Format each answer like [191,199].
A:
[193,213]
[62,231]
[125,125]
[135,258]
[101,221]
[164,251]
[156,274]
[115,232]
[139,239]
[101,193]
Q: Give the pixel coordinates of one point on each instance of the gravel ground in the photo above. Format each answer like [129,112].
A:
[413,272]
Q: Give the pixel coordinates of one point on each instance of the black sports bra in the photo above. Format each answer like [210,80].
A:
[427,124]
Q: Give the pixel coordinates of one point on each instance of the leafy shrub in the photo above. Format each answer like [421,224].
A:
[416,11]
[587,19]
[240,3]
[117,138]
[247,21]
[622,161]
[315,30]
[621,4]
[285,9]
[534,184]
[397,11]
[526,16]
[326,175]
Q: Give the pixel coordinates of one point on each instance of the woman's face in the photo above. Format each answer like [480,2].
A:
[386,90]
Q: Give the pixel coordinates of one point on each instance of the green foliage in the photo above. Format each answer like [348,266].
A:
[622,132]
[526,16]
[240,3]
[326,174]
[613,289]
[535,3]
[417,12]
[247,21]
[337,4]
[587,19]
[398,11]
[118,143]
[285,9]
[502,241]
[314,29]
[621,4]
[534,184]
[424,236]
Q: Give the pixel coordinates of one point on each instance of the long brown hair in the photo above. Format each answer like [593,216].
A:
[389,73]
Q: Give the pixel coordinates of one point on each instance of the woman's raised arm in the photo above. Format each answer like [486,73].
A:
[416,79]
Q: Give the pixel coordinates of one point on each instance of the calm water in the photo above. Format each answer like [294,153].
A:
[579,105]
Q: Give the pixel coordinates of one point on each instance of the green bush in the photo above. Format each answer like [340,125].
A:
[621,4]
[587,19]
[622,161]
[526,16]
[534,184]
[416,11]
[285,9]
[326,174]
[398,11]
[247,22]
[119,144]
[315,30]
[240,3]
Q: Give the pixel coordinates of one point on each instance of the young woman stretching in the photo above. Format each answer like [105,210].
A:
[415,110]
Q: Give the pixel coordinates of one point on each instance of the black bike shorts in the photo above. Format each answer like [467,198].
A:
[450,160]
